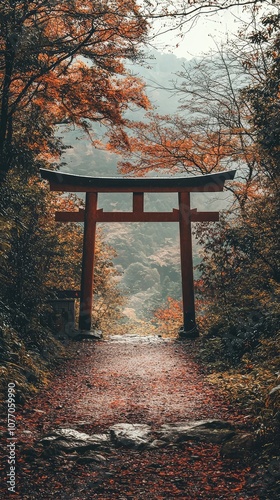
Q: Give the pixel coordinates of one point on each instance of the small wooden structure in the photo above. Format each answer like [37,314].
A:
[184,215]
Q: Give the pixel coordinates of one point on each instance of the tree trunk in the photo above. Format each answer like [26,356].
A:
[4,117]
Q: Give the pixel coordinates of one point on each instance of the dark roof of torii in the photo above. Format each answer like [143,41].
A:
[61,181]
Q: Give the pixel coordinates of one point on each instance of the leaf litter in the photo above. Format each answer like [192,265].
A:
[153,382]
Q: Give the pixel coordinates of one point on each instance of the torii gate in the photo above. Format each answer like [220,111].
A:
[60,181]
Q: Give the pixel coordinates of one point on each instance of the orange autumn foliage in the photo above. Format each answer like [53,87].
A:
[169,317]
[63,62]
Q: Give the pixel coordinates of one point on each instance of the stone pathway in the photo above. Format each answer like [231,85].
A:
[122,384]
[137,380]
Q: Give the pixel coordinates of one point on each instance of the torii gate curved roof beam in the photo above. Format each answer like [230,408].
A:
[60,181]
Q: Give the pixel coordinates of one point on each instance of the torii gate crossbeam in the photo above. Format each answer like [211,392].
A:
[184,215]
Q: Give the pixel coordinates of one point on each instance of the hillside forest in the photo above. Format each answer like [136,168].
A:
[84,90]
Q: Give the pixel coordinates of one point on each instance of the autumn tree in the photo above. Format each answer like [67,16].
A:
[108,300]
[39,258]
[239,287]
[211,130]
[240,266]
[264,99]
[168,318]
[35,245]
[64,62]
[27,345]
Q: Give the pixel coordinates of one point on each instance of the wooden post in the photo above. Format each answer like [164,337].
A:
[138,202]
[86,299]
[187,264]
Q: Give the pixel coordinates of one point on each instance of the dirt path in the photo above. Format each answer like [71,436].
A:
[140,380]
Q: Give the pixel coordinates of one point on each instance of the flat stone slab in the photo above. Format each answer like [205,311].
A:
[71,440]
[140,436]
[211,431]
[131,435]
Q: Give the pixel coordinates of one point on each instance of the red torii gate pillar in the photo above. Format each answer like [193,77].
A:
[86,295]
[187,262]
[137,186]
